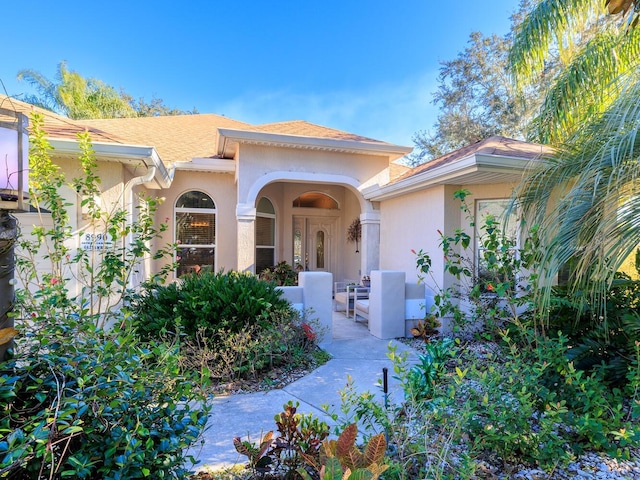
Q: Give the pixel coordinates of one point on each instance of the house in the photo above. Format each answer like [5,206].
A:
[245,197]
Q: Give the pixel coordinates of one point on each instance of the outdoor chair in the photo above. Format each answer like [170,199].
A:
[341,295]
[361,303]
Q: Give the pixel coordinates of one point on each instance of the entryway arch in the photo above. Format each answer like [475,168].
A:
[319,208]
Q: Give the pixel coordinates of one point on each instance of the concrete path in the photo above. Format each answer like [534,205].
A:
[354,352]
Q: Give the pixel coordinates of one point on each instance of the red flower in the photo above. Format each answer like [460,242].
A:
[490,287]
[308,331]
[53,281]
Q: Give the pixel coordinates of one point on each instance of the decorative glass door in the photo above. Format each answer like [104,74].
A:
[313,245]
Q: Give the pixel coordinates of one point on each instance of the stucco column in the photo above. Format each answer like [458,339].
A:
[370,250]
[246,218]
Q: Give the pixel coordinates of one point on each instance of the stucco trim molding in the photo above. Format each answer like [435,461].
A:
[452,173]
[213,165]
[306,177]
[246,212]
[229,137]
[370,217]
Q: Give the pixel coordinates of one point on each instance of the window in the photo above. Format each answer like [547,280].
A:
[315,200]
[195,231]
[494,268]
[265,235]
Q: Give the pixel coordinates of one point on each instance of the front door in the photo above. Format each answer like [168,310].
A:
[314,243]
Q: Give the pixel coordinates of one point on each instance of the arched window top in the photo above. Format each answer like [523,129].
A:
[315,200]
[265,206]
[195,199]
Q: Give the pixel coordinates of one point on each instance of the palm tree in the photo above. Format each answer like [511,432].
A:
[586,196]
[75,96]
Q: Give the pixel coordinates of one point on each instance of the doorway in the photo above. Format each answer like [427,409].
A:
[314,245]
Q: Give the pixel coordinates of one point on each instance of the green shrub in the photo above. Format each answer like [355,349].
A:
[297,443]
[209,303]
[230,356]
[281,274]
[599,339]
[82,397]
[83,404]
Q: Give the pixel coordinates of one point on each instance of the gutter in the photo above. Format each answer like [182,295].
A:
[447,174]
[126,154]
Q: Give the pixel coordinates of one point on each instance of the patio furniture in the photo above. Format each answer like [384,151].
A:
[341,296]
[345,295]
[361,303]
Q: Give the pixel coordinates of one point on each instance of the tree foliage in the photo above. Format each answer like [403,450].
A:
[593,50]
[477,98]
[78,97]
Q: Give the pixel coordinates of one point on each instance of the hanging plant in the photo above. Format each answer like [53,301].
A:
[354,231]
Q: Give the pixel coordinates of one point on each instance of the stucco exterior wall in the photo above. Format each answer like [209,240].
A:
[111,176]
[411,222]
[257,162]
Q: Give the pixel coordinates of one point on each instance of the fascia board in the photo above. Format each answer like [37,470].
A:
[214,165]
[130,154]
[447,174]
[317,143]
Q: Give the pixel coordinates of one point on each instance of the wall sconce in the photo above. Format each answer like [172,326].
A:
[14,164]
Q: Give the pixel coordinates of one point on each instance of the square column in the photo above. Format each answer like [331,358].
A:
[246,217]
[370,256]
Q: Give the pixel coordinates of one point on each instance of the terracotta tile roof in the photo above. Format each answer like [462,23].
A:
[306,129]
[496,145]
[176,138]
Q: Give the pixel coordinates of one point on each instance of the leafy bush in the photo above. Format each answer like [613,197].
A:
[515,405]
[84,404]
[297,444]
[281,274]
[539,408]
[485,294]
[233,324]
[82,397]
[231,356]
[600,338]
[208,303]
[341,459]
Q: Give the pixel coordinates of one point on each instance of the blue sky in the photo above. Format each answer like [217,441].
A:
[365,66]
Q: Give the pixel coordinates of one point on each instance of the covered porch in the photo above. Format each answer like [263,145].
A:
[305,224]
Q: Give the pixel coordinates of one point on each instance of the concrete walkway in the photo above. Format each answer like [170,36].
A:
[354,352]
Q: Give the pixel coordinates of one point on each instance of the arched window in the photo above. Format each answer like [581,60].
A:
[315,200]
[265,235]
[195,232]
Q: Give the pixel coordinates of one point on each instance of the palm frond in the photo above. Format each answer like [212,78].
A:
[586,197]
[586,86]
[47,97]
[551,22]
